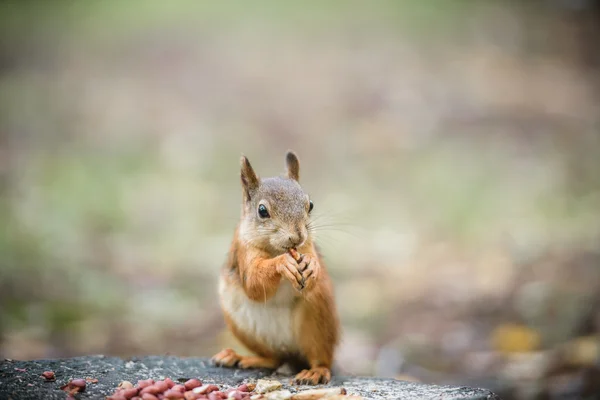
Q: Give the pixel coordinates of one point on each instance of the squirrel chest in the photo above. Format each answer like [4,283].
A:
[271,322]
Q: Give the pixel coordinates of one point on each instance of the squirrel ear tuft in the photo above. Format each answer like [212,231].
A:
[292,165]
[249,179]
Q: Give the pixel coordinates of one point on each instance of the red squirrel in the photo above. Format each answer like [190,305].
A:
[275,293]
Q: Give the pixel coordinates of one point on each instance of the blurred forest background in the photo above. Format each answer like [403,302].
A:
[451,148]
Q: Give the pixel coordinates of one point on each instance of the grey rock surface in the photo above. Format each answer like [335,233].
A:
[22,379]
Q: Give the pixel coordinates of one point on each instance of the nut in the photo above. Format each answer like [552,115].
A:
[80,383]
[204,389]
[169,382]
[145,383]
[49,375]
[244,388]
[125,385]
[130,393]
[192,383]
[236,395]
[294,253]
[189,395]
[74,386]
[162,386]
[152,389]
[118,396]
[174,394]
[179,388]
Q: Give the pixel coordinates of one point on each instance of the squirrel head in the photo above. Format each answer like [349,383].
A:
[275,211]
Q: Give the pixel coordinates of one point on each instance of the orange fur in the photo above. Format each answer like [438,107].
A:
[280,309]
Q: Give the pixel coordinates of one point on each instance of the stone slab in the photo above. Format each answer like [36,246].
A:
[22,379]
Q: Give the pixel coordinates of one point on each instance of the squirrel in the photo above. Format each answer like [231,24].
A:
[274,290]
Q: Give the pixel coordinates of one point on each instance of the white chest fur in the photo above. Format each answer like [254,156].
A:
[270,322]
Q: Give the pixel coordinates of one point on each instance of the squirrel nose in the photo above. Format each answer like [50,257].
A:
[298,238]
[294,240]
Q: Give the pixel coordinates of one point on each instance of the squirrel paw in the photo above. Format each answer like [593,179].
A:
[309,267]
[288,268]
[226,358]
[313,376]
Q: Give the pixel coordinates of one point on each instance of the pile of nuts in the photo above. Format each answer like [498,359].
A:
[167,389]
[193,389]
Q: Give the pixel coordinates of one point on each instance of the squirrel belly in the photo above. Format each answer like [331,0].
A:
[270,322]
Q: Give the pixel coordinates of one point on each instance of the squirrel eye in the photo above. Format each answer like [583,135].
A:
[311,205]
[262,211]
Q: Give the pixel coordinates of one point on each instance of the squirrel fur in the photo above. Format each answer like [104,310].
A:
[282,309]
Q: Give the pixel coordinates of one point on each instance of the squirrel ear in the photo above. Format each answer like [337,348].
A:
[293,165]
[249,179]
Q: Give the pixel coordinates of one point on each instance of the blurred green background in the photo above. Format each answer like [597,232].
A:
[451,149]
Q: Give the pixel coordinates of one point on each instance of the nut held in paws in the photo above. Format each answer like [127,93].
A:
[294,253]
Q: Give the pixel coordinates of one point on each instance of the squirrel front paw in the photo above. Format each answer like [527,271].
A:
[288,268]
[309,267]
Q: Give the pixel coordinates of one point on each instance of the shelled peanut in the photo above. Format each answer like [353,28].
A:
[167,389]
[194,389]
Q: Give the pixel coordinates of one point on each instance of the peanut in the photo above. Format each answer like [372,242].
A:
[205,389]
[192,383]
[49,375]
[236,395]
[169,382]
[116,396]
[244,388]
[145,383]
[74,386]
[189,395]
[294,253]
[174,394]
[179,388]
[130,393]
[80,383]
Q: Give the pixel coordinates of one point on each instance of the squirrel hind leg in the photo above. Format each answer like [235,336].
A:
[258,362]
[229,358]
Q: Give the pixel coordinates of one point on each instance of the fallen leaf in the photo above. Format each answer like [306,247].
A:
[515,338]
[582,351]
